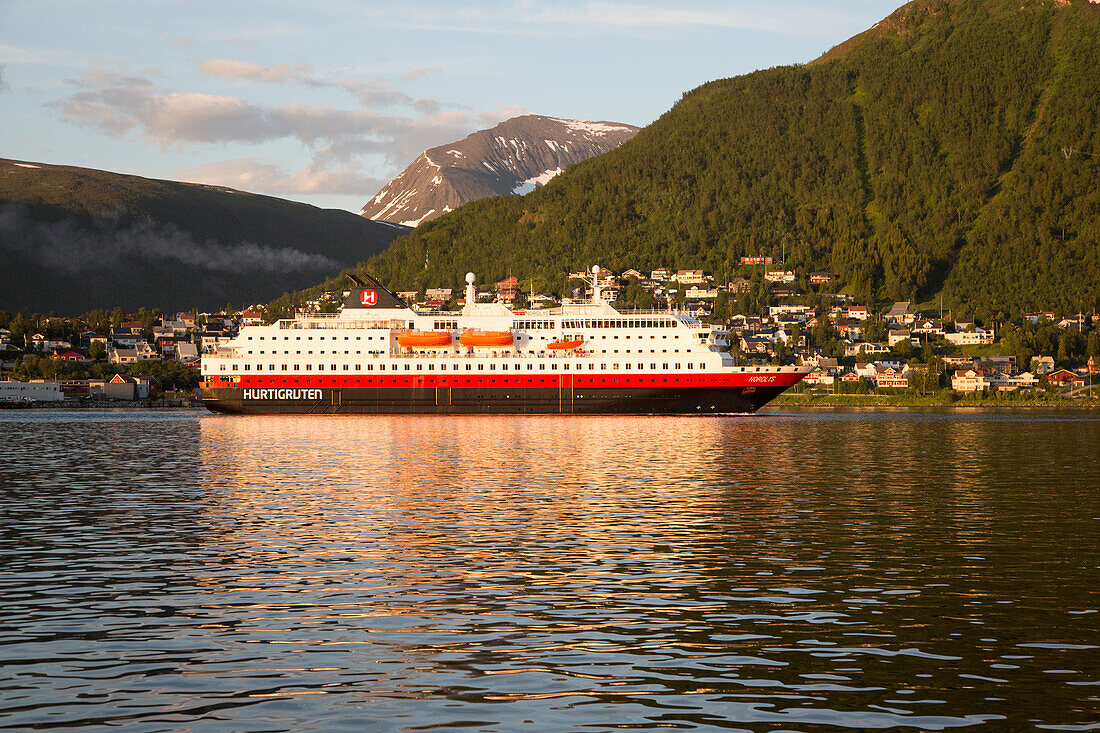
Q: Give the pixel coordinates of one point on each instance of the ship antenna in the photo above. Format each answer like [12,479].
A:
[471,291]
[595,284]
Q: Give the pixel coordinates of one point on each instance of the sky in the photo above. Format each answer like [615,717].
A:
[324,102]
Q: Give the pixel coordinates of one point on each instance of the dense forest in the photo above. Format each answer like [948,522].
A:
[953,148]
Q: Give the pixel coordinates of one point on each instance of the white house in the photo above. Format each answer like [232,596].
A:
[901,313]
[122,356]
[689,277]
[897,335]
[970,338]
[1023,380]
[695,292]
[1042,364]
[858,312]
[798,312]
[867,347]
[186,352]
[969,381]
[929,327]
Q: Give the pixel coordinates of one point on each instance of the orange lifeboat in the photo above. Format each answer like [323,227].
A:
[565,344]
[486,338]
[424,339]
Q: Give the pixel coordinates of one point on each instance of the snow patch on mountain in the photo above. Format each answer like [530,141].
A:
[526,187]
[595,128]
[416,222]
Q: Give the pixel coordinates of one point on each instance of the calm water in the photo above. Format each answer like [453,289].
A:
[803,571]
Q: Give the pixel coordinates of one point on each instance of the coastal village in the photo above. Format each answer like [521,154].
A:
[775,316]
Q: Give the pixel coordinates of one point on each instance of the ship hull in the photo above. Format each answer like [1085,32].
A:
[673,400]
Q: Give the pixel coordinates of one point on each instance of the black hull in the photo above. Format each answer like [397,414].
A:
[529,401]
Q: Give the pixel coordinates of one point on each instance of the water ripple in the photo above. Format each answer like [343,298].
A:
[820,570]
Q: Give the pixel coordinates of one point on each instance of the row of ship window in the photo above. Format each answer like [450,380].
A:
[443,367]
[310,338]
[593,323]
[261,352]
[386,338]
[618,323]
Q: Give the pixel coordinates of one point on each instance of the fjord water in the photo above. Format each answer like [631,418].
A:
[794,571]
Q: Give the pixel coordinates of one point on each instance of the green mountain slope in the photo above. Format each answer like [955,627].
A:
[73,239]
[925,154]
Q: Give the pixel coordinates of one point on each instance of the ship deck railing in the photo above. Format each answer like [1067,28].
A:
[333,321]
[589,310]
[451,353]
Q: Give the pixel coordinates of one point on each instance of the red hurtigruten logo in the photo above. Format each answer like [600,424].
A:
[368,298]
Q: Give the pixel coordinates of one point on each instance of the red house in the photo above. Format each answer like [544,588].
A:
[1065,378]
[507,288]
[68,355]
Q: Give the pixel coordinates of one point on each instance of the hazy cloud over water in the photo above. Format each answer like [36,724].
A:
[69,248]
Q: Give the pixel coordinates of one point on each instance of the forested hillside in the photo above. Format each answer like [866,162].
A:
[953,147]
[74,239]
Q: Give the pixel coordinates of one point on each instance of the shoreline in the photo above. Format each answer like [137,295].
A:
[908,401]
[74,405]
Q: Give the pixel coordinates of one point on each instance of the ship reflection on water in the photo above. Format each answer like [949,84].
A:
[859,569]
[675,571]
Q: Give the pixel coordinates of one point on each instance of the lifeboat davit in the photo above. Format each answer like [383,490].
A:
[486,338]
[424,339]
[565,344]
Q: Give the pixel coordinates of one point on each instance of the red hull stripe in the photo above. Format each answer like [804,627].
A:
[543,380]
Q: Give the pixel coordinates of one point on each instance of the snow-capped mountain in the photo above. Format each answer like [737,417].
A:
[514,157]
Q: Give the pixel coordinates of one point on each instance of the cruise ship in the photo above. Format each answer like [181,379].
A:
[377,355]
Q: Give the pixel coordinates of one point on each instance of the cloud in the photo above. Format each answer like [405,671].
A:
[395,129]
[421,73]
[21,56]
[113,103]
[373,94]
[119,105]
[233,70]
[3,83]
[253,174]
